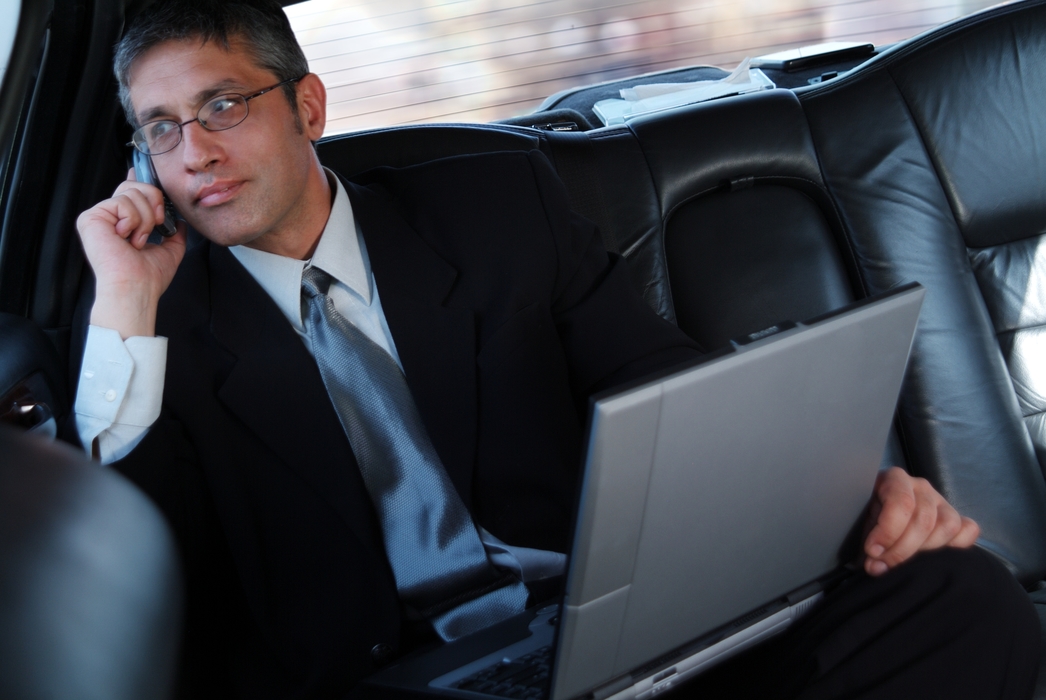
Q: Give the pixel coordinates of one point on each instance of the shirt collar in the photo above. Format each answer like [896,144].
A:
[338,254]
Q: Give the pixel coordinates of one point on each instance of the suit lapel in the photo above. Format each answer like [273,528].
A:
[275,388]
[436,343]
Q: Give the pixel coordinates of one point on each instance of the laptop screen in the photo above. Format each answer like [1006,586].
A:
[718,488]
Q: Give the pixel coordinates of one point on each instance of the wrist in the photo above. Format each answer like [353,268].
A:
[130,315]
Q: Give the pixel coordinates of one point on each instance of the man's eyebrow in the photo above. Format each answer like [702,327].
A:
[220,88]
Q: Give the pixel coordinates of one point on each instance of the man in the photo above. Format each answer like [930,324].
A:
[471,276]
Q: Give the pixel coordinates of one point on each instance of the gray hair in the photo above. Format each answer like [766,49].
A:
[261,25]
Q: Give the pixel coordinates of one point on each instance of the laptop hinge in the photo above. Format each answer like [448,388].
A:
[613,687]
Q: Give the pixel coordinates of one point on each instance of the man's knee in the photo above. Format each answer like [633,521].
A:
[947,623]
[979,592]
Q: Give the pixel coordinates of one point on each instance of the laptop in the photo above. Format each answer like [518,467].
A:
[718,501]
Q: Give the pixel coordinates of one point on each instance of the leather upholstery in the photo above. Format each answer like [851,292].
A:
[693,150]
[975,94]
[924,150]
[631,216]
[30,361]
[749,233]
[90,589]
[767,243]
[1012,279]
[925,163]
[352,154]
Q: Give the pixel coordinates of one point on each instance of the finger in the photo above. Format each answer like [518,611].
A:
[895,502]
[967,535]
[140,238]
[135,218]
[152,193]
[131,175]
[136,215]
[946,527]
[151,212]
[920,526]
[128,217]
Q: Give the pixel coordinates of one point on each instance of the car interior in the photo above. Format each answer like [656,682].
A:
[925,162]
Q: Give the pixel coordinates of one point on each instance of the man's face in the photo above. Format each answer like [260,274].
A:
[252,184]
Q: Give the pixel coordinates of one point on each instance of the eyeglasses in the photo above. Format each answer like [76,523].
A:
[218,114]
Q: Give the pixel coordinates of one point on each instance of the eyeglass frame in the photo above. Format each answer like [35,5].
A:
[246,99]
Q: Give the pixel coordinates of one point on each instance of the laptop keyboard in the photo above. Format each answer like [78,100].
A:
[525,677]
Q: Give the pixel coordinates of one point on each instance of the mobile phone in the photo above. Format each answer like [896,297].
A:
[143,172]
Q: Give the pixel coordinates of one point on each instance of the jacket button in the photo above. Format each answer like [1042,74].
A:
[380,654]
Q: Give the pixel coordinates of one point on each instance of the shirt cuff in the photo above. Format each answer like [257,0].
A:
[141,404]
[121,383]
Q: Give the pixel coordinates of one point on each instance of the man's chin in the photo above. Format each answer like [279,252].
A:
[224,235]
[229,241]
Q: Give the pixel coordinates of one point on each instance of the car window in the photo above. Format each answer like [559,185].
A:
[9,10]
[388,62]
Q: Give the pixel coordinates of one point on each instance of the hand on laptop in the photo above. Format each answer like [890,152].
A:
[909,516]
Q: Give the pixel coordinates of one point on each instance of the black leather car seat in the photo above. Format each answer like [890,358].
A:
[90,588]
[935,154]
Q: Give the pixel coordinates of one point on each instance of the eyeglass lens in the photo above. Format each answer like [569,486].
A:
[223,112]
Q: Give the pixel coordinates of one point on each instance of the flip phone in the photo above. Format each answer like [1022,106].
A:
[143,172]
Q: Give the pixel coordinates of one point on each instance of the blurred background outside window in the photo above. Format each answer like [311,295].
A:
[388,62]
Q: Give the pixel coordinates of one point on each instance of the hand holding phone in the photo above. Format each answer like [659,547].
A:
[143,172]
[121,241]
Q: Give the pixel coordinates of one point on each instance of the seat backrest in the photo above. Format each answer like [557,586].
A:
[750,237]
[746,229]
[32,377]
[90,587]
[351,154]
[935,153]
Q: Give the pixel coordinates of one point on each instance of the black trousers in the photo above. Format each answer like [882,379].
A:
[947,624]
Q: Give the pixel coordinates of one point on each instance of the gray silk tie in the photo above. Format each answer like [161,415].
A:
[440,564]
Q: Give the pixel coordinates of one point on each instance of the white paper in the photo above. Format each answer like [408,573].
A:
[642,99]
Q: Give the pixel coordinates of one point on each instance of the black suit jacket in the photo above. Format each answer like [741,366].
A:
[506,313]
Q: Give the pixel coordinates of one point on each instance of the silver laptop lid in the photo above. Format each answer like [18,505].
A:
[721,487]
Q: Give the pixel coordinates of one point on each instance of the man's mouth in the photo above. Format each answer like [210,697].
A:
[218,193]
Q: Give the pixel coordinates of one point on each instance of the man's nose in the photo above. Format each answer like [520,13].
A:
[200,148]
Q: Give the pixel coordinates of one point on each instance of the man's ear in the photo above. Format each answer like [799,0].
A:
[312,105]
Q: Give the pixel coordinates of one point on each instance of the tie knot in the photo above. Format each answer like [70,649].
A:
[315,281]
